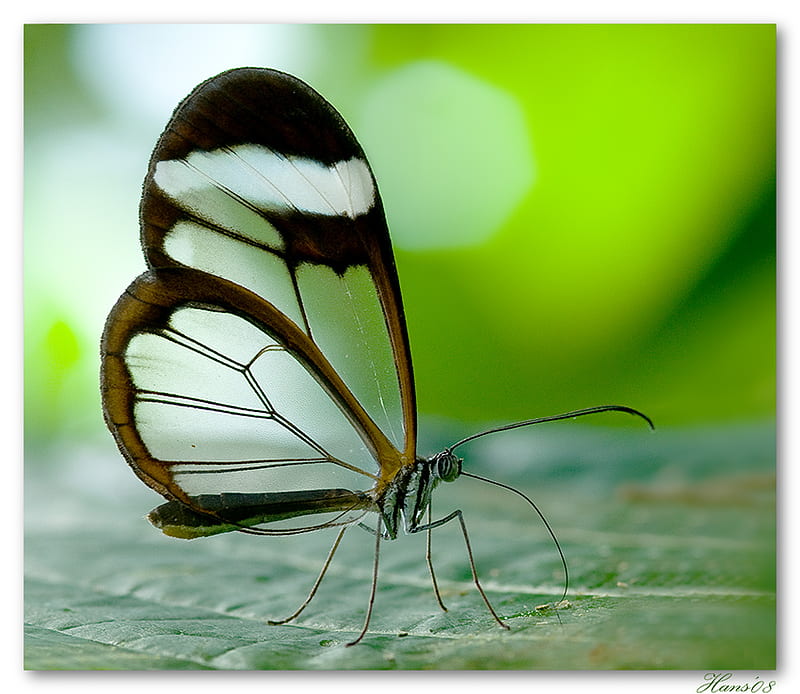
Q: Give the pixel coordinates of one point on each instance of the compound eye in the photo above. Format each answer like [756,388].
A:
[448,467]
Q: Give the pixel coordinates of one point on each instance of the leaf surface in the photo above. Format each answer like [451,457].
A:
[670,539]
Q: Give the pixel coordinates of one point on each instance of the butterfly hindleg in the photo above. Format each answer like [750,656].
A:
[378,534]
[316,585]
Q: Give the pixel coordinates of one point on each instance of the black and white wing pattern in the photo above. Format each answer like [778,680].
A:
[260,367]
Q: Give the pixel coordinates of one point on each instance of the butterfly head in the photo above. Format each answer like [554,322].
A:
[447,466]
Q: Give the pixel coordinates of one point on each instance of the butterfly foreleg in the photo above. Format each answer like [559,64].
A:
[384,534]
[316,585]
[430,525]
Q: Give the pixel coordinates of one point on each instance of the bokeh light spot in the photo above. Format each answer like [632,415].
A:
[451,154]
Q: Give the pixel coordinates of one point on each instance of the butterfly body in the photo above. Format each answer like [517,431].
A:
[408,496]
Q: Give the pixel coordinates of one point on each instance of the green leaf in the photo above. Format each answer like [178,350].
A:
[670,539]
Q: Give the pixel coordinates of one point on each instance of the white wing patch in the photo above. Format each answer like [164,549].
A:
[262,179]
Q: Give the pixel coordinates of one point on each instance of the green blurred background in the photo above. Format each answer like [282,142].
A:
[582,214]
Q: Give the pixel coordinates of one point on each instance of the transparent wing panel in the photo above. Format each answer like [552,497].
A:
[275,477]
[347,322]
[255,269]
[301,398]
[158,363]
[221,332]
[178,429]
[235,412]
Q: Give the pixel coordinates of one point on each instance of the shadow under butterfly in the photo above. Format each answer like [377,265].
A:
[260,370]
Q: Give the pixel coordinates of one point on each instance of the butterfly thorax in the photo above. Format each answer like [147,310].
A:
[408,495]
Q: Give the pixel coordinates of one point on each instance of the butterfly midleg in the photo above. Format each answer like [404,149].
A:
[378,535]
[316,583]
[457,514]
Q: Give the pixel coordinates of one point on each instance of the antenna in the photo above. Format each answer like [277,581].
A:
[541,515]
[556,417]
[539,420]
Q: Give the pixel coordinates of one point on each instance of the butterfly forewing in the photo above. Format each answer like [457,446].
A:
[265,351]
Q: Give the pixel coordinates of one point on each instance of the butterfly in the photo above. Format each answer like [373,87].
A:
[258,374]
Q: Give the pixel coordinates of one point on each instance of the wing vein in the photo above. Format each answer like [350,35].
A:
[164,398]
[200,348]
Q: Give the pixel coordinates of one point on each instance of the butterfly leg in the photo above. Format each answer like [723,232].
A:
[457,514]
[378,534]
[316,583]
[429,561]
[372,531]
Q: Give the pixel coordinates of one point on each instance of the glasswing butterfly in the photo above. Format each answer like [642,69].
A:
[259,371]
